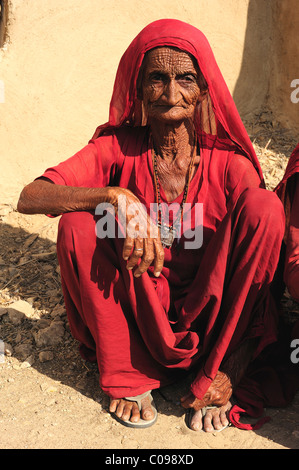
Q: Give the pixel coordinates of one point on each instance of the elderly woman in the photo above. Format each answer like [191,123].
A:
[168,291]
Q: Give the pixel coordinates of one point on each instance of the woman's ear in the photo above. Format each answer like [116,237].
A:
[203,96]
[139,82]
[139,92]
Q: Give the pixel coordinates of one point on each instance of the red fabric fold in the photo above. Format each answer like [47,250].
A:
[291,169]
[235,416]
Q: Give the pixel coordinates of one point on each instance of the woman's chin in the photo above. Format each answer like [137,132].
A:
[170,117]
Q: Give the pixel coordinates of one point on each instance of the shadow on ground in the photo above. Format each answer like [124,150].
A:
[30,272]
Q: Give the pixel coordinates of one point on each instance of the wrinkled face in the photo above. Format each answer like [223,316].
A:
[170,89]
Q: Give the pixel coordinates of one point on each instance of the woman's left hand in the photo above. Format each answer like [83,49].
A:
[142,244]
[219,393]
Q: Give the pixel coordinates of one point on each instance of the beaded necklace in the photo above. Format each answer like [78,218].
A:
[168,233]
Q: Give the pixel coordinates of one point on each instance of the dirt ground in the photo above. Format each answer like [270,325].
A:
[50,397]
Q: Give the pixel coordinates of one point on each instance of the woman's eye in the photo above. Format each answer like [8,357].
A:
[187,78]
[157,77]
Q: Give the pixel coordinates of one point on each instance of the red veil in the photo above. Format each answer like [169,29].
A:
[291,169]
[285,189]
[216,115]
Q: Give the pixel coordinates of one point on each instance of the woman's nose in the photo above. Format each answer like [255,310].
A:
[171,92]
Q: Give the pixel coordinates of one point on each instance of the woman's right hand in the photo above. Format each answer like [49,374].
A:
[142,245]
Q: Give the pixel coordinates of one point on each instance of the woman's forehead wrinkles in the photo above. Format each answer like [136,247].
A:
[169,60]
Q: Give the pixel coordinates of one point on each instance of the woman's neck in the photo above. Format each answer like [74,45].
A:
[173,142]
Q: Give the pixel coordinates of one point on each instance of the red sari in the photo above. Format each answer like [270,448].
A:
[146,332]
[287,190]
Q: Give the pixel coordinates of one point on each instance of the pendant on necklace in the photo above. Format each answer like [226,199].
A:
[167,235]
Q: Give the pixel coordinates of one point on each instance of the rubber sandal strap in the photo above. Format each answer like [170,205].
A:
[142,423]
[206,408]
[138,398]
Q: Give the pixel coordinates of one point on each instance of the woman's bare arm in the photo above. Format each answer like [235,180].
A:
[44,197]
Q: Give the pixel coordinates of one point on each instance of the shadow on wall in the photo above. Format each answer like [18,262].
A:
[251,89]
[284,81]
[3,21]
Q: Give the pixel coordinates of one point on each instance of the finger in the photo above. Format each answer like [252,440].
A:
[188,400]
[128,247]
[147,258]
[159,258]
[199,404]
[136,254]
[184,398]
[153,251]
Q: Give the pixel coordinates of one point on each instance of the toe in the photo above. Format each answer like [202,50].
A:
[147,412]
[215,419]
[196,421]
[208,426]
[223,418]
[113,405]
[120,409]
[135,414]
[217,422]
[127,411]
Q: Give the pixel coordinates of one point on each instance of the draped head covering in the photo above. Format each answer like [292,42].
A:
[216,115]
[291,169]
[286,187]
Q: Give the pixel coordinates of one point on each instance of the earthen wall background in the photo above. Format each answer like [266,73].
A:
[59,63]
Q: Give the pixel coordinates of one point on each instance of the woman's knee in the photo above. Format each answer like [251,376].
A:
[263,206]
[75,225]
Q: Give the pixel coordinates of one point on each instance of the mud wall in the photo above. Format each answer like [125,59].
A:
[283,96]
[58,65]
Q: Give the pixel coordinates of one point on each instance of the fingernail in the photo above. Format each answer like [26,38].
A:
[157,274]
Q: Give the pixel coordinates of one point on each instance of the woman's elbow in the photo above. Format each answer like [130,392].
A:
[25,203]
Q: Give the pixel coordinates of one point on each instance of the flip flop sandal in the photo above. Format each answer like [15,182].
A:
[189,416]
[142,423]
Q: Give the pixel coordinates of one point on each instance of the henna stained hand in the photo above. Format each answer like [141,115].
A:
[219,393]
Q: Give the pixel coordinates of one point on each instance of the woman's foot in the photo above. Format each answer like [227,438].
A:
[129,411]
[218,396]
[209,413]
[214,419]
